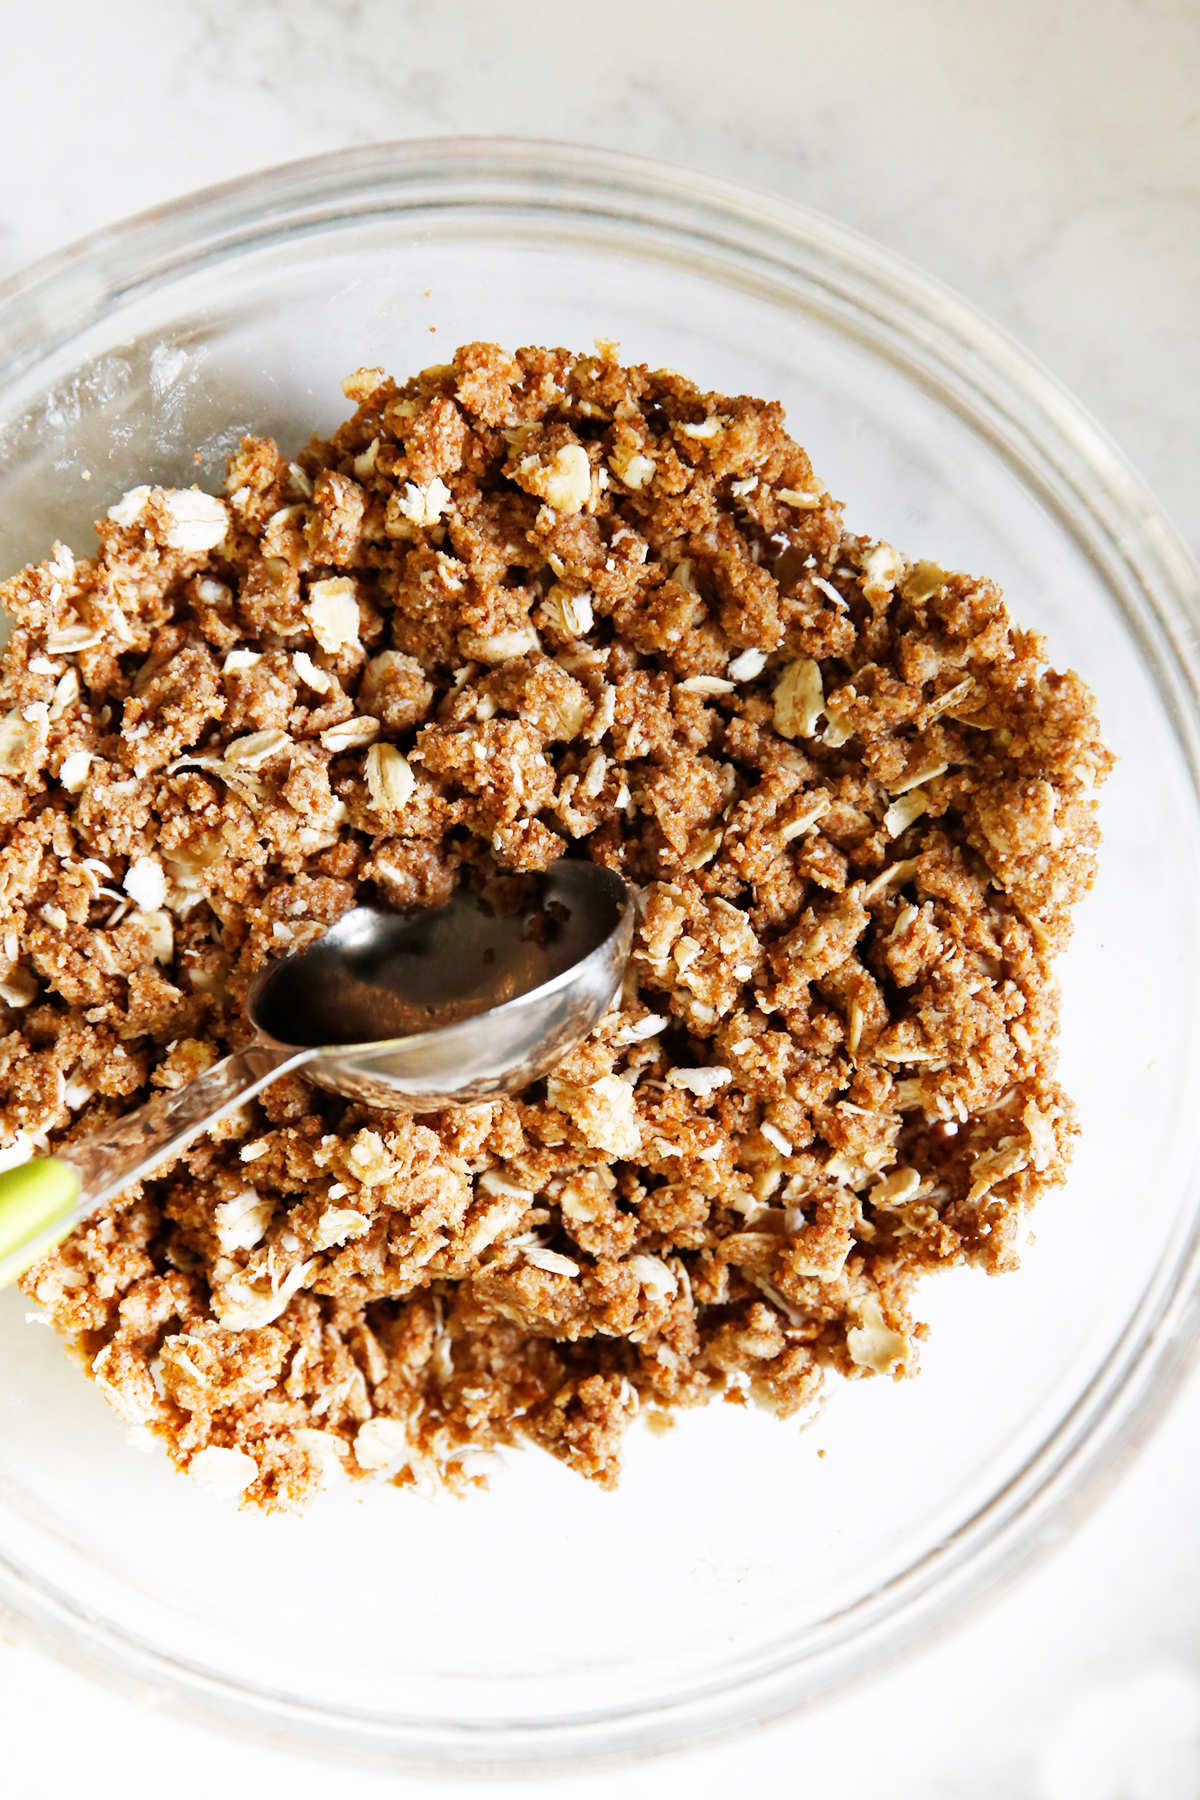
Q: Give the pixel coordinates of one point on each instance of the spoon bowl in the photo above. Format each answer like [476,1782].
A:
[456,1004]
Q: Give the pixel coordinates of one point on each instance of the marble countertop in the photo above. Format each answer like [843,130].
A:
[1044,159]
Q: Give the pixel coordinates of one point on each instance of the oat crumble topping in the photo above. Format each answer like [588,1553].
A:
[521,607]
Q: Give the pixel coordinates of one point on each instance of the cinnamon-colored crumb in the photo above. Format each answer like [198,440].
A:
[524,607]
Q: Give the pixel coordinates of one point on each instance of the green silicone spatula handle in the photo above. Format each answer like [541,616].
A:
[42,1201]
[37,1210]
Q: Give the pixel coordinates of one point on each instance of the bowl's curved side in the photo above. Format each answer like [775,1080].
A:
[636,208]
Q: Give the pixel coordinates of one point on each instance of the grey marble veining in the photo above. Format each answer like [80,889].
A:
[1042,157]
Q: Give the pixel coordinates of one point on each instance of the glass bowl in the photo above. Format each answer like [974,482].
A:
[738,1573]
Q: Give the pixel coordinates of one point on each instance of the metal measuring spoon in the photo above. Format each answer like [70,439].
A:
[410,1012]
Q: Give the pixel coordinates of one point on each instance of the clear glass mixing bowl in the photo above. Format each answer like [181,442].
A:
[736,1574]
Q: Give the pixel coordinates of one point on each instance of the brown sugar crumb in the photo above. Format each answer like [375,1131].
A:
[523,607]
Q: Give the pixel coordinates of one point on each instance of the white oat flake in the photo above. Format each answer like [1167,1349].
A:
[18,1152]
[241,1223]
[775,1137]
[799,699]
[351,734]
[568,480]
[68,640]
[550,1261]
[66,693]
[919,777]
[656,1277]
[425,505]
[491,1181]
[874,1345]
[162,933]
[318,679]
[882,568]
[240,659]
[146,884]
[378,1442]
[632,468]
[747,665]
[701,1082]
[130,507]
[257,748]
[337,1225]
[811,811]
[830,592]
[242,1303]
[638,1030]
[504,646]
[225,1473]
[904,812]
[21,737]
[332,611]
[199,521]
[390,781]
[74,770]
[571,613]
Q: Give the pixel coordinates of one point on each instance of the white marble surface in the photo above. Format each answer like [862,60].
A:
[1043,157]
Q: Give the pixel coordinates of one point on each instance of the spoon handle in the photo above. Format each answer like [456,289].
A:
[42,1201]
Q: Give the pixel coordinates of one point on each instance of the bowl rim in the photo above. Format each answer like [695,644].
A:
[967,363]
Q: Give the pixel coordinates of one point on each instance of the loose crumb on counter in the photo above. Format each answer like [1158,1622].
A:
[526,606]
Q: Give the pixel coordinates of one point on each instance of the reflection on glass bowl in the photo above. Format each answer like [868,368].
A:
[736,1574]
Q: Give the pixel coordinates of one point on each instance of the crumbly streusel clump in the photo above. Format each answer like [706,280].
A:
[522,607]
